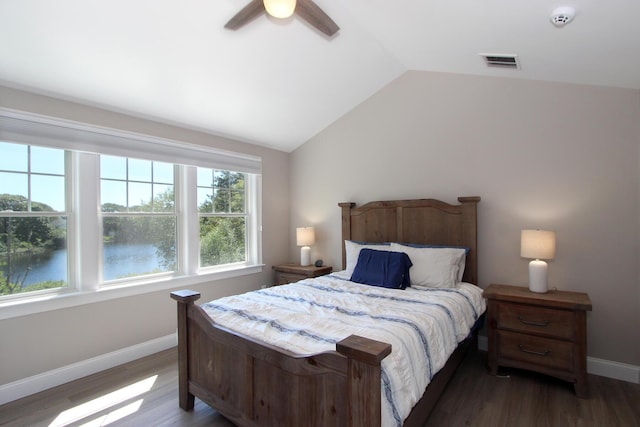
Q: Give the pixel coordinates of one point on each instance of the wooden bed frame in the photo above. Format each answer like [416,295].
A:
[256,384]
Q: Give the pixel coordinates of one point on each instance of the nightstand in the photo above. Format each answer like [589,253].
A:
[289,273]
[545,333]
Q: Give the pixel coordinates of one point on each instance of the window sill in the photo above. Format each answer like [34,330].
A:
[42,303]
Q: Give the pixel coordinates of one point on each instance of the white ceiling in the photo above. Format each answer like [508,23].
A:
[278,83]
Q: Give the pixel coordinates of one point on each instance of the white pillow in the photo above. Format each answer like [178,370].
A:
[352,251]
[434,267]
[461,264]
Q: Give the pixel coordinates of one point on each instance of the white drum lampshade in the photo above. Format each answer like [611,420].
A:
[305,237]
[539,245]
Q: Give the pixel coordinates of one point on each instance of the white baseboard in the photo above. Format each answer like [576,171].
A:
[34,384]
[615,370]
[595,366]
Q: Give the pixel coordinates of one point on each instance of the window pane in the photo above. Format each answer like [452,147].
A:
[221,201]
[140,170]
[221,179]
[237,201]
[163,173]
[237,180]
[47,160]
[114,196]
[205,177]
[33,254]
[47,193]
[222,240]
[139,197]
[15,184]
[135,246]
[163,198]
[229,193]
[13,157]
[113,167]
[204,200]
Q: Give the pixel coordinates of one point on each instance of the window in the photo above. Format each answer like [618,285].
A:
[223,217]
[33,219]
[85,209]
[139,221]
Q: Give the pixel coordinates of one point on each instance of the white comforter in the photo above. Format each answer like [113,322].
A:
[422,326]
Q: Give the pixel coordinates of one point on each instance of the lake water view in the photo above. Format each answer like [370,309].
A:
[120,260]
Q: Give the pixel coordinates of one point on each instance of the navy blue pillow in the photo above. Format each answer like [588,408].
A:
[382,268]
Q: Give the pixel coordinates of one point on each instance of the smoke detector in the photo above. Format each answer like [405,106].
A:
[561,16]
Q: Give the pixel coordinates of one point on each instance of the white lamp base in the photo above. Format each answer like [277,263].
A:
[305,256]
[538,276]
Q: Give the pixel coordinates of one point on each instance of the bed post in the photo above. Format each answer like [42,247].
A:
[346,228]
[363,379]
[185,300]
[470,235]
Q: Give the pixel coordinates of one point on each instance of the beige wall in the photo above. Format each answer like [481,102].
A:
[542,155]
[33,344]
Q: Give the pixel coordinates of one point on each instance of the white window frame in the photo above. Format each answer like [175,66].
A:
[86,143]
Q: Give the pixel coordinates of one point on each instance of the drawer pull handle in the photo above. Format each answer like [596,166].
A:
[530,322]
[537,353]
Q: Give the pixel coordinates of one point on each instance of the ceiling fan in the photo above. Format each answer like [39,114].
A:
[305,9]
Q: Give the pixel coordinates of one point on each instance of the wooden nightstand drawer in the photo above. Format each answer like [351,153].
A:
[539,351]
[537,320]
[284,278]
[289,273]
[546,333]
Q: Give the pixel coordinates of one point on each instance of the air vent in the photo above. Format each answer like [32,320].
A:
[501,61]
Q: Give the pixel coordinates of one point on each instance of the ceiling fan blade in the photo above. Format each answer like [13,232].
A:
[311,12]
[246,15]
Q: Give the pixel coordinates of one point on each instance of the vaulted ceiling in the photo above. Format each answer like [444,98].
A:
[277,83]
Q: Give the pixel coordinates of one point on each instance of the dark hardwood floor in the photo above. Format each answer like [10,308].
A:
[523,399]
[144,393]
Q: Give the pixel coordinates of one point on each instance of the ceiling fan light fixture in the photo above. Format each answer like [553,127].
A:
[280,8]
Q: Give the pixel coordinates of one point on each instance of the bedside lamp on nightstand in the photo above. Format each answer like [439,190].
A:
[539,245]
[305,237]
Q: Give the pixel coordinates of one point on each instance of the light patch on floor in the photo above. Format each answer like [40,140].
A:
[103,403]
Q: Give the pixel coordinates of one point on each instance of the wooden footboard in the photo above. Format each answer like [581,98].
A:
[254,384]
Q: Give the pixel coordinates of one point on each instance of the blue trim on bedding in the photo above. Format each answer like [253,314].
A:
[421,289]
[355,313]
[397,299]
[386,384]
[465,296]
[271,322]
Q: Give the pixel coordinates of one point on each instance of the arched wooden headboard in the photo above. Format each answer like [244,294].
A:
[420,221]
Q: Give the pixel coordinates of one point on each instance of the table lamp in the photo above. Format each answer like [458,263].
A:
[539,245]
[305,237]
